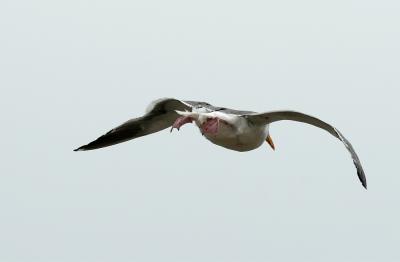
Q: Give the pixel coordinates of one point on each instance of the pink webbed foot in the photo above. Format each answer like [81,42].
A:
[180,121]
[210,126]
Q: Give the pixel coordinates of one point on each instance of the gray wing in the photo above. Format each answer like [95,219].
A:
[211,108]
[159,115]
[270,117]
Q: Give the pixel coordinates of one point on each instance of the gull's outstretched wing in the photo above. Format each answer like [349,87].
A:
[159,115]
[269,117]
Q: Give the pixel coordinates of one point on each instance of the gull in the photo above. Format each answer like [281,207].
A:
[232,129]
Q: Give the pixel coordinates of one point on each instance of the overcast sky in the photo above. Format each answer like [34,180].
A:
[72,70]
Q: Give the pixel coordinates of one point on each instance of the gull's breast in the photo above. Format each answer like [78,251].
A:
[238,135]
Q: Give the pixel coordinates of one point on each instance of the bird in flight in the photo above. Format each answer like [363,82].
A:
[233,129]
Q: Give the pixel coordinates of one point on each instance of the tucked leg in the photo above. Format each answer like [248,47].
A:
[180,121]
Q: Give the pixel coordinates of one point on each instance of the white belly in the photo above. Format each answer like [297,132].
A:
[233,132]
[242,138]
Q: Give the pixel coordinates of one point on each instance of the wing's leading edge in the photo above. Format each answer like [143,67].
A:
[159,115]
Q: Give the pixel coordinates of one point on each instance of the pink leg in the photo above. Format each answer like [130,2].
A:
[180,121]
[210,126]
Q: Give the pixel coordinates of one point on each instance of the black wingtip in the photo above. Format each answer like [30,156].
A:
[364,184]
[82,148]
[361,176]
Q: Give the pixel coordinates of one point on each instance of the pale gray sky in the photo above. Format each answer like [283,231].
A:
[71,70]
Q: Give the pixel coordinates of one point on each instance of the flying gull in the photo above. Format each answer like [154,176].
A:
[233,129]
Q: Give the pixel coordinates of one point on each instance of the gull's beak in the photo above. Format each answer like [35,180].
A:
[270,142]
